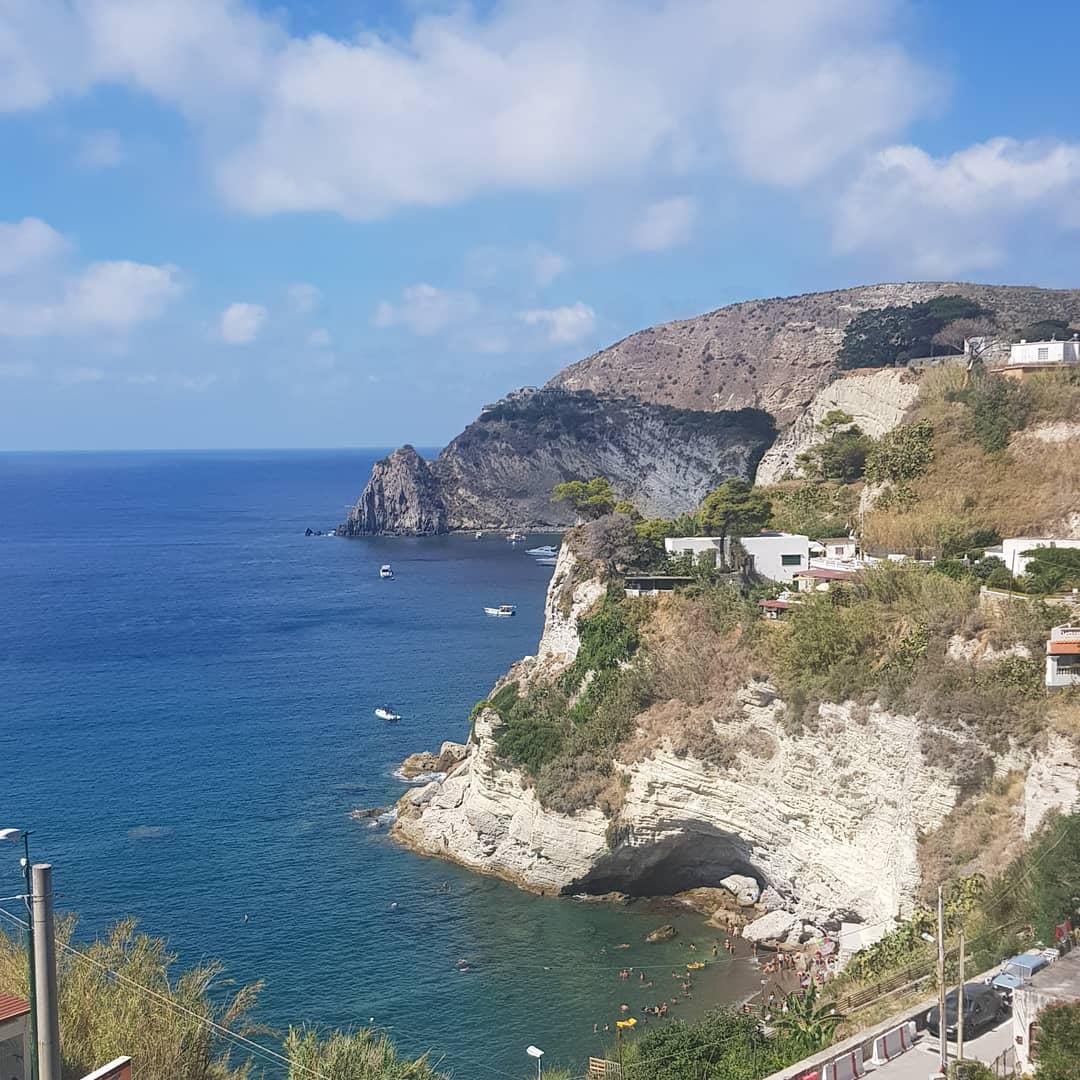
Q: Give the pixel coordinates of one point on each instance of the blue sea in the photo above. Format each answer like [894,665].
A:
[187,686]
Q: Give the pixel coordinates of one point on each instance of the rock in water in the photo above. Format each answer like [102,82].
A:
[402,498]
[661,933]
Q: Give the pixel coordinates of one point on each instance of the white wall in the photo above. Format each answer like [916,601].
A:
[1045,352]
[768,553]
[680,545]
[1011,550]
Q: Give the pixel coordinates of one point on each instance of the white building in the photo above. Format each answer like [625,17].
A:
[777,556]
[1063,657]
[1059,984]
[1029,353]
[1012,550]
[839,547]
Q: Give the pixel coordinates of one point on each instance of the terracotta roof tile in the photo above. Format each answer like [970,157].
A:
[11,1007]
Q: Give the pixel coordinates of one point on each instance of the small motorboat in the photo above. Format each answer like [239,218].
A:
[546,550]
[479,534]
[386,713]
[515,537]
[386,570]
[502,611]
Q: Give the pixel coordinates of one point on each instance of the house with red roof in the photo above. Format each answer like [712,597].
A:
[1063,657]
[14,1038]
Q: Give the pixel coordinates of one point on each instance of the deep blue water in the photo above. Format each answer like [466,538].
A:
[187,686]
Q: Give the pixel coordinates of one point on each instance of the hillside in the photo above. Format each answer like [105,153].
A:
[775,354]
[886,735]
[670,411]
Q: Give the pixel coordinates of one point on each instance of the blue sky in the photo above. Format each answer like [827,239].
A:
[228,223]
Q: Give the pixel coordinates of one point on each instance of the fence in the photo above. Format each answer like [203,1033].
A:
[1005,1063]
[601,1069]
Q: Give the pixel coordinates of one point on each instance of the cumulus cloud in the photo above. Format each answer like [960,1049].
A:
[665,225]
[940,216]
[557,95]
[563,325]
[426,310]
[27,244]
[241,323]
[303,298]
[41,296]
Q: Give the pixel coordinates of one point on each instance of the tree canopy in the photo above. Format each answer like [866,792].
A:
[735,508]
[590,498]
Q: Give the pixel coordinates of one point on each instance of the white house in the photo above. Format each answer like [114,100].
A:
[777,556]
[1012,550]
[1027,353]
[1059,984]
[1063,657]
[839,547]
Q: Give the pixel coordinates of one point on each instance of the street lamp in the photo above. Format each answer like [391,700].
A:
[15,835]
[535,1052]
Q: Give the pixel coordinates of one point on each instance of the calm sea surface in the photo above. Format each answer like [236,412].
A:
[187,686]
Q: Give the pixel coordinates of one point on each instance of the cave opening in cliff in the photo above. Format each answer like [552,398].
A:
[686,860]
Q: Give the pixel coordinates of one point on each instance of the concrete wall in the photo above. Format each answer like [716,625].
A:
[768,554]
[1045,352]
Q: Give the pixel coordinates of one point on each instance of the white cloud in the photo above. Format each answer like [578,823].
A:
[665,225]
[533,265]
[426,310]
[241,323]
[75,376]
[545,265]
[118,295]
[303,298]
[28,243]
[40,296]
[556,95]
[563,325]
[940,216]
[100,150]
[320,338]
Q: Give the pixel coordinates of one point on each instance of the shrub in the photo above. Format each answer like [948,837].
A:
[1059,1042]
[998,407]
[902,454]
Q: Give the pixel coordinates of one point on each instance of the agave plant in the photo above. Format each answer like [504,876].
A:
[808,1025]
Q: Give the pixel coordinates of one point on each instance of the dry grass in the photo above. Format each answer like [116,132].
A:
[1029,488]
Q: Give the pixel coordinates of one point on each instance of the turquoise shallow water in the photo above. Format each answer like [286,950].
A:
[187,694]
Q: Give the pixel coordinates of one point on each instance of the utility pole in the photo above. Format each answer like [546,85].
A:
[943,1035]
[48,1016]
[960,1004]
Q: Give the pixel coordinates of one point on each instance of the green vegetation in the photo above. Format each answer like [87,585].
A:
[901,455]
[590,498]
[818,510]
[1052,570]
[842,454]
[1059,1042]
[885,337]
[1045,329]
[809,1024]
[162,1019]
[735,508]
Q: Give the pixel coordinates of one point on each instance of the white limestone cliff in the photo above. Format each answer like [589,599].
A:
[875,400]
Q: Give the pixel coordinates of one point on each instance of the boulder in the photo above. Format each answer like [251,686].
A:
[418,765]
[744,888]
[450,754]
[775,926]
[373,812]
[661,933]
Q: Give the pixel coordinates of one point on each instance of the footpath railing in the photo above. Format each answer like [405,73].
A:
[1005,1063]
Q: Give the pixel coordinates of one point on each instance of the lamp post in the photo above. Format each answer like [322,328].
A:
[535,1052]
[15,835]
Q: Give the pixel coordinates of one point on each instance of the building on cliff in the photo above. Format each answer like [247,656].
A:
[778,556]
[1063,657]
[1030,358]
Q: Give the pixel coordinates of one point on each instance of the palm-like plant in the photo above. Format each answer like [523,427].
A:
[808,1025]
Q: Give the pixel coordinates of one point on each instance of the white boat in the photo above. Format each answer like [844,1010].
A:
[514,537]
[386,570]
[502,611]
[547,549]
[387,714]
[479,534]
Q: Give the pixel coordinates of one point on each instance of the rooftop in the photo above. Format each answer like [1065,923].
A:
[11,1007]
[1060,980]
[822,573]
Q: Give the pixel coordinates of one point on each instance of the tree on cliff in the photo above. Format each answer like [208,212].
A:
[590,498]
[734,509]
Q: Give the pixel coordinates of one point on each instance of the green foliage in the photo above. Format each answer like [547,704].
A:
[1045,329]
[359,1055]
[834,418]
[808,1025]
[817,510]
[970,1070]
[722,1045]
[590,498]
[734,509]
[1059,1042]
[843,455]
[1052,570]
[884,337]
[655,530]
[902,454]
[504,698]
[998,407]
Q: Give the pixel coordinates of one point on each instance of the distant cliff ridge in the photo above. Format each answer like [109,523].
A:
[499,472]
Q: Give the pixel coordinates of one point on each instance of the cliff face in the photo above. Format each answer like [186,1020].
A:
[774,354]
[401,498]
[875,400]
[831,820]
[499,472]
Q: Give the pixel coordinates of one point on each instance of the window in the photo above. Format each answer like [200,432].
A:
[791,560]
[1044,353]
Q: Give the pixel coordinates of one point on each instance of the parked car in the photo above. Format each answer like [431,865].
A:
[1016,972]
[983,1007]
